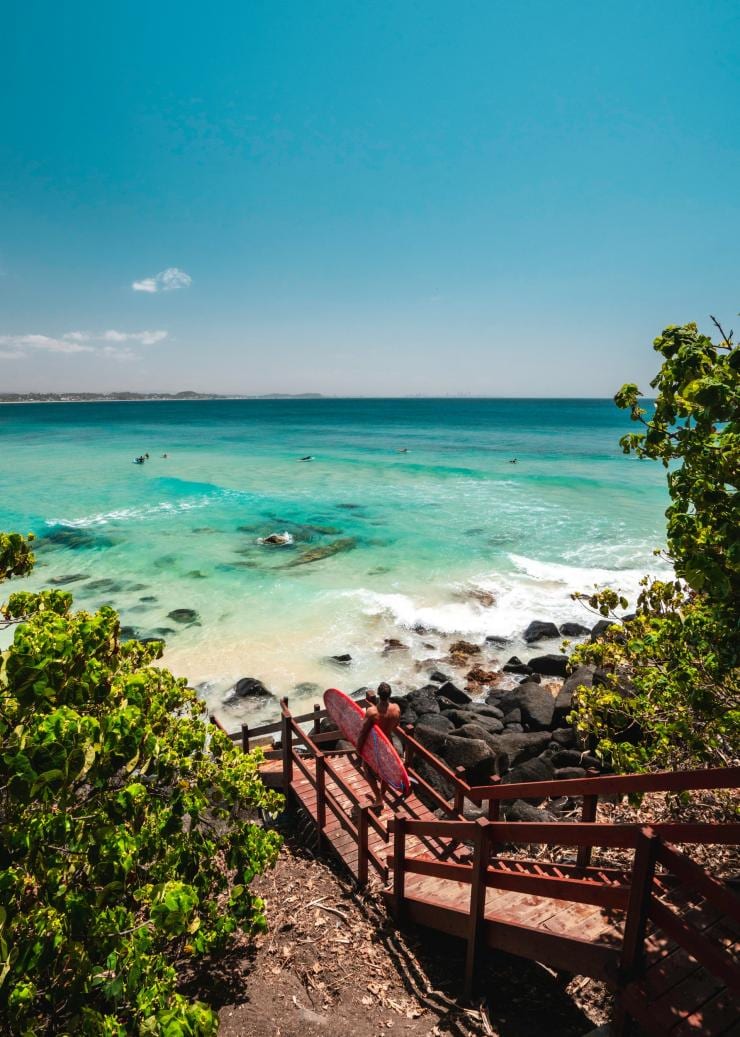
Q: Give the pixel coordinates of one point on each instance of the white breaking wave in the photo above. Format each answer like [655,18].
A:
[131,514]
[536,590]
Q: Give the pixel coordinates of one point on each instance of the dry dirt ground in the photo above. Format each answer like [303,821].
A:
[333,964]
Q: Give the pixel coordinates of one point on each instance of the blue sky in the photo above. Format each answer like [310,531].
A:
[375,198]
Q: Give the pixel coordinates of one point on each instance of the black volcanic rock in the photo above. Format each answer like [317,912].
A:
[536,704]
[540,630]
[551,665]
[449,691]
[250,687]
[574,630]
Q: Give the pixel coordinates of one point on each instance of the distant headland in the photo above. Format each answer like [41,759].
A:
[125,397]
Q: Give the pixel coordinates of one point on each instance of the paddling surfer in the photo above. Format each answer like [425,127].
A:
[387,716]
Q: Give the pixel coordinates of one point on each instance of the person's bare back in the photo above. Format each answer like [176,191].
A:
[386,715]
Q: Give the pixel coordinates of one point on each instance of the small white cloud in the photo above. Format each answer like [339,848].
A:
[77,336]
[52,345]
[146,338]
[165,281]
[149,284]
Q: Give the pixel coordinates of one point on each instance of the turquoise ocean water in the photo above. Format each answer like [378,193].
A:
[382,540]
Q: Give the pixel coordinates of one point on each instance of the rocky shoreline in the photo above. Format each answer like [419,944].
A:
[505,721]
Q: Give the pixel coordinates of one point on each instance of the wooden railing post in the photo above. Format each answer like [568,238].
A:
[316,719]
[633,944]
[286,741]
[459,798]
[321,799]
[477,901]
[588,813]
[362,830]
[643,872]
[494,805]
[399,866]
[245,738]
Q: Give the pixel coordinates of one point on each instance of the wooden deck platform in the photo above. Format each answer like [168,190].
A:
[662,933]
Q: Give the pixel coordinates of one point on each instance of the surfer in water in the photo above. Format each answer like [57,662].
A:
[387,715]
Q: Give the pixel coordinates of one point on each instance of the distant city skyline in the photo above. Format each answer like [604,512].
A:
[354,199]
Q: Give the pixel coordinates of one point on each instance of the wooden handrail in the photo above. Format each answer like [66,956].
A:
[567,887]
[612,784]
[303,737]
[713,957]
[274,725]
[458,830]
[556,833]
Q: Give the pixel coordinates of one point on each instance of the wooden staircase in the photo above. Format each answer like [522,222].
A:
[662,932]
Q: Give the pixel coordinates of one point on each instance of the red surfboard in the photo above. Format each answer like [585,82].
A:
[377,750]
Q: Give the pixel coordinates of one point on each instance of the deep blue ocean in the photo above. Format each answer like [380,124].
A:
[411,514]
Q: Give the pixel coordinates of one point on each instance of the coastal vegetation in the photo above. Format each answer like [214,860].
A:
[128,834]
[671,693]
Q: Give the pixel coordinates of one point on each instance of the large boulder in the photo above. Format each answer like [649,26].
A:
[435,722]
[564,701]
[487,711]
[566,758]
[563,773]
[574,630]
[564,737]
[550,665]
[540,630]
[250,687]
[539,768]
[459,717]
[474,754]
[520,746]
[520,810]
[430,738]
[423,700]
[473,730]
[535,702]
[453,694]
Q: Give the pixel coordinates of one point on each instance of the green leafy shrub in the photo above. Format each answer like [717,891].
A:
[127,833]
[671,696]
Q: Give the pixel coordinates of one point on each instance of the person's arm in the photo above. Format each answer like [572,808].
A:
[368,724]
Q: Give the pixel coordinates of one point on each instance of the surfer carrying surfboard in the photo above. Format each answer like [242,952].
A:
[386,715]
